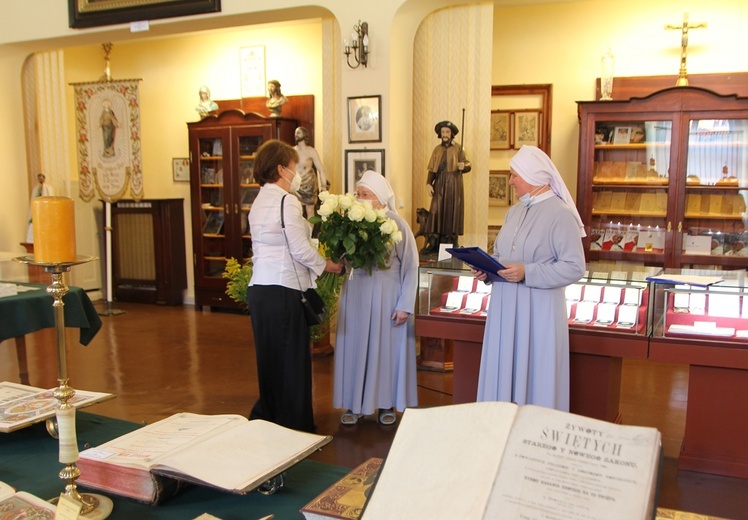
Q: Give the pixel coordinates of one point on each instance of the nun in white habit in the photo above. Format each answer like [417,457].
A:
[375,352]
[525,356]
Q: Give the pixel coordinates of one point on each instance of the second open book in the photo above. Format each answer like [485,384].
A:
[227,452]
[497,460]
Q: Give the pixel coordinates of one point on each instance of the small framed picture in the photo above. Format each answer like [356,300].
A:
[180,169]
[364,120]
[500,130]
[526,128]
[622,135]
[498,188]
[493,232]
[357,162]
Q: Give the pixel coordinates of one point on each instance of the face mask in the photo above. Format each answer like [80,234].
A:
[526,199]
[295,182]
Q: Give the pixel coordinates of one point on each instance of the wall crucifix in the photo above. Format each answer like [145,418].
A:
[683,28]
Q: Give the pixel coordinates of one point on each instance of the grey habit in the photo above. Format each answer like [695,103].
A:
[375,362]
[525,356]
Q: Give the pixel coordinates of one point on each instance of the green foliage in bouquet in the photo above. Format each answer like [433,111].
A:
[355,232]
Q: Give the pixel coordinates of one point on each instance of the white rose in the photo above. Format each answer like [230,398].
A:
[356,213]
[397,237]
[382,214]
[324,195]
[326,209]
[369,214]
[346,201]
[388,227]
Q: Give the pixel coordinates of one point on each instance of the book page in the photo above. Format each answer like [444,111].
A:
[143,447]
[575,467]
[442,462]
[241,458]
[22,405]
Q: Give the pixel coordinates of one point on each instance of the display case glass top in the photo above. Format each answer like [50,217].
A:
[717,312]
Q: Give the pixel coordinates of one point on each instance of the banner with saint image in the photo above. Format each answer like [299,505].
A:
[107,117]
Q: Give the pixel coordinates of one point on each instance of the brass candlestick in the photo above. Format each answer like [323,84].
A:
[65,415]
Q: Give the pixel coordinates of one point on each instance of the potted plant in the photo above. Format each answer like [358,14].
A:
[328,287]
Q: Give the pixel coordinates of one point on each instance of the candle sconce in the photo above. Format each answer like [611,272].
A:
[360,44]
[64,429]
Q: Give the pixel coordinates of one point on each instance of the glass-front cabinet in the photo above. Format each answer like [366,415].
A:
[222,154]
[663,180]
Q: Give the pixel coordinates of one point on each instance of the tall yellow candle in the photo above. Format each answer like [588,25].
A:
[53,219]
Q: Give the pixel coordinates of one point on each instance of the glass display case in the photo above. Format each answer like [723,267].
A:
[448,289]
[663,180]
[611,298]
[717,312]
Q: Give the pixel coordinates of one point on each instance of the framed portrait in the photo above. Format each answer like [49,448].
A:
[252,70]
[357,162]
[621,135]
[180,168]
[526,128]
[500,130]
[94,13]
[498,188]
[364,120]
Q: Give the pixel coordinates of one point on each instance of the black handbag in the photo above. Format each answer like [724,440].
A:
[315,309]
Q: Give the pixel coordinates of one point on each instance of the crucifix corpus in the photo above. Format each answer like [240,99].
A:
[683,28]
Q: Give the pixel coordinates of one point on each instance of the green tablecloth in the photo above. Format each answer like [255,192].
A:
[28,462]
[30,311]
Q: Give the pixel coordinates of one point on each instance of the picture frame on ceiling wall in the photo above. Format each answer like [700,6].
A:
[364,119]
[357,162]
[526,128]
[498,188]
[252,70]
[500,130]
[94,13]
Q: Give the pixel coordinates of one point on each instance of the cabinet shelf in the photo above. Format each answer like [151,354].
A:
[715,187]
[619,183]
[630,146]
[712,217]
[622,213]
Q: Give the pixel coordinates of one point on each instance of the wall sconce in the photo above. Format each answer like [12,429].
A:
[360,44]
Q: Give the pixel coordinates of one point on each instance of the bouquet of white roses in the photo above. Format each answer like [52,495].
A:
[355,232]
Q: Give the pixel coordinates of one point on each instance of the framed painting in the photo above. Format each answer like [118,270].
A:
[364,120]
[94,13]
[526,128]
[252,67]
[498,188]
[357,162]
[500,130]
[180,169]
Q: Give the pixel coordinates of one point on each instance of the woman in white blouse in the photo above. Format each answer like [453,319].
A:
[281,335]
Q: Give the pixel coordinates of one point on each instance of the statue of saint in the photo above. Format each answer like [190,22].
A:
[310,169]
[206,105]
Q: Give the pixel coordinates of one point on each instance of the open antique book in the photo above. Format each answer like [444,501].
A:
[19,505]
[22,405]
[497,460]
[227,452]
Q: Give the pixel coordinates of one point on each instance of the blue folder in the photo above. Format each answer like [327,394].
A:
[479,260]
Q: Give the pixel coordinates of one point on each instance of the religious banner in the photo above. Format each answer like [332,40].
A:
[107,116]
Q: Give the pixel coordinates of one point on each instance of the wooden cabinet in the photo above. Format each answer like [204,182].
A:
[148,255]
[663,179]
[222,152]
